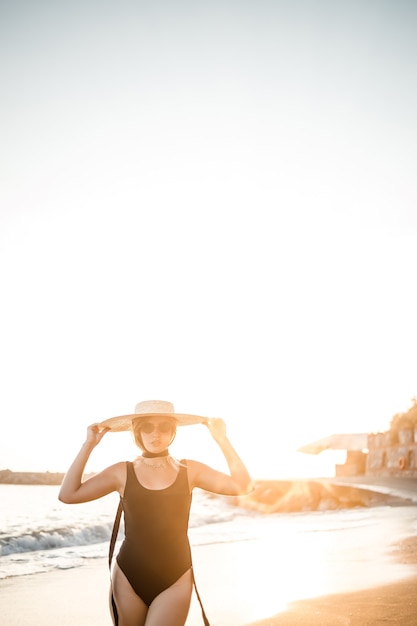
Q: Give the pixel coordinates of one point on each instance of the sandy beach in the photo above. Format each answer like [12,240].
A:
[395,603]
[388,604]
[78,597]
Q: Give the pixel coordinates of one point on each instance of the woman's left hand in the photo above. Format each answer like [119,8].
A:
[217,428]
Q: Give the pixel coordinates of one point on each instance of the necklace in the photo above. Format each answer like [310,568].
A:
[164,463]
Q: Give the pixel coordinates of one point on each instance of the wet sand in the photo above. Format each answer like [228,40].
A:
[78,597]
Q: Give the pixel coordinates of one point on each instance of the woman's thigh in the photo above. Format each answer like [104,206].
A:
[131,609]
[171,607]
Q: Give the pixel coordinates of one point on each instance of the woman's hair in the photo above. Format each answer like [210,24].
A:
[137,435]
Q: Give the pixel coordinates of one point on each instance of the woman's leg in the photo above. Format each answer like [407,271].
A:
[171,607]
[130,608]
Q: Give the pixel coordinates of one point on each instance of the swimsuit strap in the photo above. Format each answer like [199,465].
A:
[111,550]
[115,530]
[203,613]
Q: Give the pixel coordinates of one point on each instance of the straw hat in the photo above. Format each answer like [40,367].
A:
[151,408]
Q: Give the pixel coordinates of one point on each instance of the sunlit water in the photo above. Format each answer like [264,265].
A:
[270,558]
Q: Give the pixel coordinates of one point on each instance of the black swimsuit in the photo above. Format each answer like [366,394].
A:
[156,550]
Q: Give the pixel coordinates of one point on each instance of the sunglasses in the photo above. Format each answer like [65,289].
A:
[162,427]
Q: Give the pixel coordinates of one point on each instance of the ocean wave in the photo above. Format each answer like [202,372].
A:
[48,534]
[71,536]
[55,538]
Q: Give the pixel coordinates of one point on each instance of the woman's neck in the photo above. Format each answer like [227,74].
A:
[153,455]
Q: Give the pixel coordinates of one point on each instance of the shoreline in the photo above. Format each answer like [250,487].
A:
[348,574]
[80,595]
[69,598]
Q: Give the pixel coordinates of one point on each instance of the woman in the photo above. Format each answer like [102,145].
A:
[152,578]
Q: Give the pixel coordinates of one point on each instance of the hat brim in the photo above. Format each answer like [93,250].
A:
[124,422]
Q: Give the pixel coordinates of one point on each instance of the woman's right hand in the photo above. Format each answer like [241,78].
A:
[95,434]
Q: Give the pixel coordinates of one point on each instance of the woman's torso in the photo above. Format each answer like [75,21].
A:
[155,547]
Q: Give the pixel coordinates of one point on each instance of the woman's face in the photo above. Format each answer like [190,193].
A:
[157,433]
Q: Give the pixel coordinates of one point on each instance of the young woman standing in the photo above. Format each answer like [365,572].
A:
[152,578]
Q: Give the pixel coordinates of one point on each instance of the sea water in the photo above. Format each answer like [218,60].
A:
[39,533]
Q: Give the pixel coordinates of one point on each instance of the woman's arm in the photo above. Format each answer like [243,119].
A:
[237,483]
[74,490]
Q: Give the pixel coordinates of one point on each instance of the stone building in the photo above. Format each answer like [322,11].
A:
[390,453]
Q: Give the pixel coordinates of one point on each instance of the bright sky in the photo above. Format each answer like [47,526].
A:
[212,203]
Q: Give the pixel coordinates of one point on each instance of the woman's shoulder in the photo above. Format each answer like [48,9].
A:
[117,472]
[193,463]
[120,466]
[193,469]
